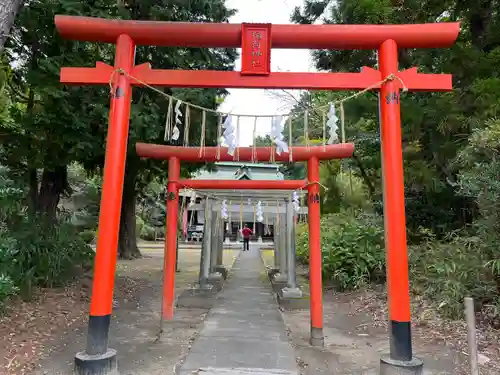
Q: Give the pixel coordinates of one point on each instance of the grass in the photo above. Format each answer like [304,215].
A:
[267,257]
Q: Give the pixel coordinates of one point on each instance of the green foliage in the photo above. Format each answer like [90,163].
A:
[44,256]
[88,236]
[47,127]
[450,144]
[352,247]
[447,271]
[7,289]
[151,205]
[34,252]
[148,233]
[263,141]
[353,192]
[467,263]
[85,199]
[7,285]
[435,126]
[10,197]
[139,224]
[478,178]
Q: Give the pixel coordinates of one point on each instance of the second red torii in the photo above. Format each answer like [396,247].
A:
[211,154]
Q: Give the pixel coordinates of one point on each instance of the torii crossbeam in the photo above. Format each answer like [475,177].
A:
[256,73]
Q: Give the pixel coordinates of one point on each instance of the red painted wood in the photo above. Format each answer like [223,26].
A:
[184,34]
[209,154]
[255,49]
[101,74]
[244,184]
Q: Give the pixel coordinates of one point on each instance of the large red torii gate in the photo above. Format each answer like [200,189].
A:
[256,73]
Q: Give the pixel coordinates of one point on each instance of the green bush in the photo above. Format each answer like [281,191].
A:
[7,289]
[352,245]
[44,255]
[447,272]
[160,232]
[34,252]
[466,263]
[88,236]
[34,255]
[139,225]
[85,199]
[148,233]
[7,285]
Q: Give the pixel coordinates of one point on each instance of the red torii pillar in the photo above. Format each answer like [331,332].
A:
[387,39]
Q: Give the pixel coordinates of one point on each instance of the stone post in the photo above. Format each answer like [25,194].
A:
[283,245]
[215,276]
[219,267]
[214,242]
[276,233]
[291,290]
[206,246]
[220,241]
[280,279]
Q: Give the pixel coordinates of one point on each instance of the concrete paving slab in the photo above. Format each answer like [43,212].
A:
[244,352]
[250,333]
[245,333]
[242,371]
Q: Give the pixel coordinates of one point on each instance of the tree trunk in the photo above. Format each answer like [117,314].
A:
[480,21]
[127,241]
[8,12]
[365,177]
[54,183]
[33,190]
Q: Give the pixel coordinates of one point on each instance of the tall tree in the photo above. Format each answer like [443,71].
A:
[8,12]
[53,125]
[149,109]
[435,126]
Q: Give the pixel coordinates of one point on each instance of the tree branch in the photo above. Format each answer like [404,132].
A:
[364,175]
[17,92]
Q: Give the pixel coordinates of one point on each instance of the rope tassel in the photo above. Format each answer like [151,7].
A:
[186,126]
[254,141]
[306,128]
[219,135]
[237,138]
[342,122]
[172,123]
[168,122]
[203,130]
[323,120]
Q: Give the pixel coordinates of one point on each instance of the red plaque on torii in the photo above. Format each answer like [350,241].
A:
[255,49]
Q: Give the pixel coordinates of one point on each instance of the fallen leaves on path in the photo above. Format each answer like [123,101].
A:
[32,330]
[429,326]
[29,329]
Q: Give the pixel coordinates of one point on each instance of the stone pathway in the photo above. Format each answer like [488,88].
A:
[245,333]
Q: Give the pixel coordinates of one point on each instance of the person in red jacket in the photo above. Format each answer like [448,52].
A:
[246,232]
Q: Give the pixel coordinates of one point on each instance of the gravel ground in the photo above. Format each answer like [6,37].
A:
[43,335]
[355,328]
